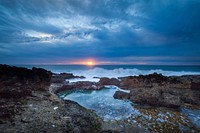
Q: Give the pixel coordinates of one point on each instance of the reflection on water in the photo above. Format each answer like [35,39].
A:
[151,118]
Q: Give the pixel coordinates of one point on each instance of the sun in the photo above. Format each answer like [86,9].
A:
[90,63]
[86,62]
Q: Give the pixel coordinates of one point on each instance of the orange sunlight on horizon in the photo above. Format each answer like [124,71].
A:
[88,62]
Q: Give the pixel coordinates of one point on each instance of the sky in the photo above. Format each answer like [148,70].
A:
[149,32]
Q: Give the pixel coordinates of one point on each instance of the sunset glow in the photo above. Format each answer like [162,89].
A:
[90,63]
[86,62]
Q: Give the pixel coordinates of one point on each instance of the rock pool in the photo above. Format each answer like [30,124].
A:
[157,119]
[102,102]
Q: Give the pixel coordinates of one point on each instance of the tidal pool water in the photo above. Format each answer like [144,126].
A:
[156,119]
[103,103]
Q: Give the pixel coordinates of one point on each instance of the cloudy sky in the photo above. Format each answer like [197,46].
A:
[107,31]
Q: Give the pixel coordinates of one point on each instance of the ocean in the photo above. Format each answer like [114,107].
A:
[115,71]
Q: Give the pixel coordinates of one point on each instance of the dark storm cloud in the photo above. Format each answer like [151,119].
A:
[52,31]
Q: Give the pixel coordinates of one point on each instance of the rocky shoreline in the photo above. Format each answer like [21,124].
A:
[158,90]
[29,102]
[153,89]
[27,105]
[161,98]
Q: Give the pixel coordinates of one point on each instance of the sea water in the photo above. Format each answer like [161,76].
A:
[115,71]
[103,103]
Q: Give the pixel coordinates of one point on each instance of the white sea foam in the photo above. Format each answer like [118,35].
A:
[121,72]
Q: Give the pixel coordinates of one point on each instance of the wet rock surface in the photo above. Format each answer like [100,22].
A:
[80,85]
[87,85]
[108,81]
[152,118]
[153,80]
[163,120]
[123,126]
[153,89]
[61,78]
[158,90]
[121,95]
[28,104]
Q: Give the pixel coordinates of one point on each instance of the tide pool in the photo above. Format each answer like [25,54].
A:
[156,119]
[103,103]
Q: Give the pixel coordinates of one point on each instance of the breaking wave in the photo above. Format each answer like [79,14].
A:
[121,72]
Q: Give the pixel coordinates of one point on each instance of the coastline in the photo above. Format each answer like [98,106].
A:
[38,88]
[39,110]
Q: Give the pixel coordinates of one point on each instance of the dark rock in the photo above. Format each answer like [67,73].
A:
[96,77]
[121,95]
[19,82]
[27,104]
[195,85]
[80,85]
[24,120]
[158,90]
[84,120]
[86,85]
[2,122]
[148,96]
[108,81]
[61,78]
[64,88]
[170,100]
[80,77]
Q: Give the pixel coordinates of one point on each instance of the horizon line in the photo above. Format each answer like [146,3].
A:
[49,64]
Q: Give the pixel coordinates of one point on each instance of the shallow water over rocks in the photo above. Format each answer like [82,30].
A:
[102,102]
[157,119]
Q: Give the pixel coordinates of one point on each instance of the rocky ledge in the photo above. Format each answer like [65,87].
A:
[62,77]
[153,89]
[158,90]
[87,85]
[28,104]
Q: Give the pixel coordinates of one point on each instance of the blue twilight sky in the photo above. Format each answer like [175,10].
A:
[106,31]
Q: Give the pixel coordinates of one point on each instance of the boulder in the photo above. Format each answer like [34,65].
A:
[108,81]
[148,96]
[121,95]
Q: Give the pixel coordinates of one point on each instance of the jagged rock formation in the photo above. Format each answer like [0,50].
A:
[158,90]
[61,78]
[153,89]
[20,82]
[27,105]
